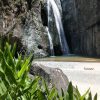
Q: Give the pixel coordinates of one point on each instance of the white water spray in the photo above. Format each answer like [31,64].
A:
[59,26]
[50,42]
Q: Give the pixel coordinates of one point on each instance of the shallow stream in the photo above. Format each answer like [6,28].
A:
[70,58]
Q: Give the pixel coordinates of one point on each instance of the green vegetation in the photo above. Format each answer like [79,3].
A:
[15,83]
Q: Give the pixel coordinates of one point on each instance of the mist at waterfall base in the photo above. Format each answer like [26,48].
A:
[51,5]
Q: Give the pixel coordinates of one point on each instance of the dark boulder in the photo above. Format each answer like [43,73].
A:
[52,76]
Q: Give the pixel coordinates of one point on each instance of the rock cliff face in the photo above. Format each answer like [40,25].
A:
[69,23]
[90,17]
[26,20]
[82,23]
[22,19]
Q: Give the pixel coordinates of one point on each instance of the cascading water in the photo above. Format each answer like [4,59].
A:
[50,42]
[59,26]
[49,35]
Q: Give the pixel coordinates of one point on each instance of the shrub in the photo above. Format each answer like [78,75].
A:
[15,83]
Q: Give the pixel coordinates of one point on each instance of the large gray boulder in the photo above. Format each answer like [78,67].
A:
[52,76]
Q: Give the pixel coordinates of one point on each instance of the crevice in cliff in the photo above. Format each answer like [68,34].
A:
[5,2]
[29,2]
[57,50]
[68,36]
[40,47]
[44,15]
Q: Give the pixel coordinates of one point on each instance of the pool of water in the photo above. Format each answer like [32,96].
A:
[70,58]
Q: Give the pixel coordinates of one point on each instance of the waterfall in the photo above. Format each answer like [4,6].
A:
[49,35]
[59,26]
[50,42]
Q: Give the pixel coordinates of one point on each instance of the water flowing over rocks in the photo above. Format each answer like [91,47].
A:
[53,76]
[57,16]
[56,28]
[27,20]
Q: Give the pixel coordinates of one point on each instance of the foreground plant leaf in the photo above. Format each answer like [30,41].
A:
[95,97]
[15,83]
[70,91]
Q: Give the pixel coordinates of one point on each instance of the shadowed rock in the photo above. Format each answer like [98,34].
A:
[52,76]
